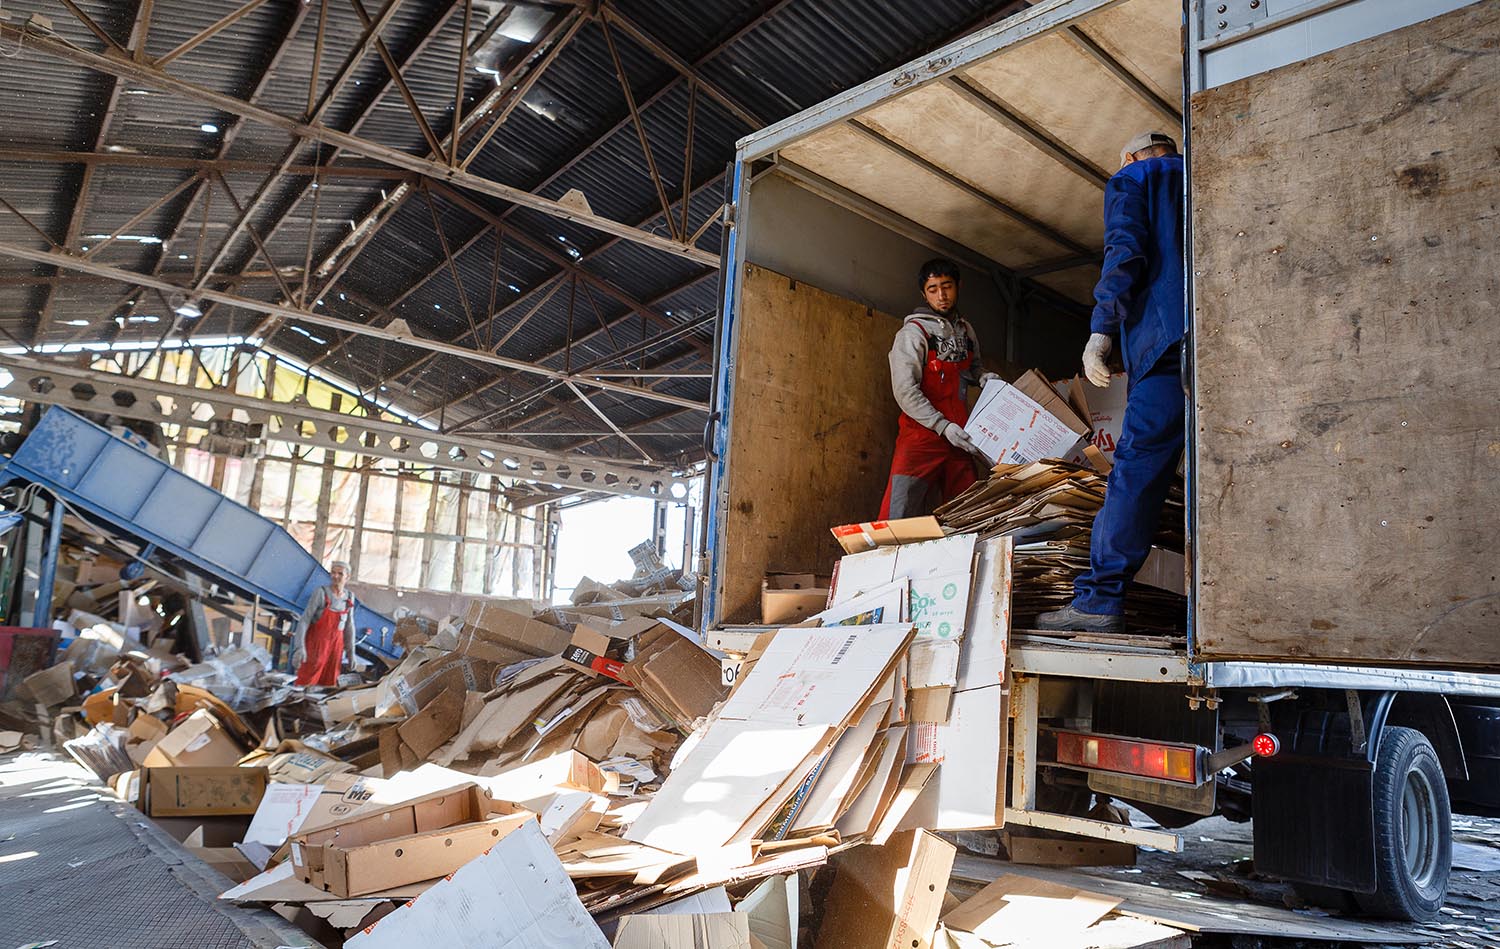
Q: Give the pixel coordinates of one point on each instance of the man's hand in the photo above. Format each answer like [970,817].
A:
[988,377]
[1095,356]
[299,656]
[959,438]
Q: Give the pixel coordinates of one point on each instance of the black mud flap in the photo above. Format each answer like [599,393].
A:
[1314,821]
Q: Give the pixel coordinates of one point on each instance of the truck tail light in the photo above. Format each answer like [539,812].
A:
[1265,745]
[1165,761]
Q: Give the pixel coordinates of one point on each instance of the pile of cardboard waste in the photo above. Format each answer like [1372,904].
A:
[1047,508]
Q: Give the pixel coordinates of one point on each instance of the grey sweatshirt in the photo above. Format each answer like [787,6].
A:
[954,338]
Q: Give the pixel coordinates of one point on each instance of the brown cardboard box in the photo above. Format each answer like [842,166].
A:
[857,538]
[199,741]
[889,897]
[142,735]
[588,650]
[791,597]
[504,627]
[675,675]
[421,839]
[199,792]
[51,686]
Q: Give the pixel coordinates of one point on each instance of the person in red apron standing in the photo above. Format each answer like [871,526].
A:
[934,357]
[325,633]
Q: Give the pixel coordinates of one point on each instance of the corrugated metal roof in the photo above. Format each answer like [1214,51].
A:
[571,131]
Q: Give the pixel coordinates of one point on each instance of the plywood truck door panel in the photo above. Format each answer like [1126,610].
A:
[1346,218]
[811,428]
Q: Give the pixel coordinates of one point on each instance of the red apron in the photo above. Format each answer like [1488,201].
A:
[325,645]
[922,453]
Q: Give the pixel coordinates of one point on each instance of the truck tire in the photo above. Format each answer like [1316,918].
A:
[1413,830]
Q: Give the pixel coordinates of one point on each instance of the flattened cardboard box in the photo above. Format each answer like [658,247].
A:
[868,535]
[508,628]
[676,675]
[201,792]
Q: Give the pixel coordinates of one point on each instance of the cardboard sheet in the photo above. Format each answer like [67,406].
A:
[281,813]
[514,896]
[774,910]
[201,792]
[721,784]
[861,816]
[967,792]
[889,897]
[816,676]
[1017,909]
[982,659]
[684,931]
[836,777]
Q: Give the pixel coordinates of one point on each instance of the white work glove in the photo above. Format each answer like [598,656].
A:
[299,657]
[959,438]
[1095,356]
[988,377]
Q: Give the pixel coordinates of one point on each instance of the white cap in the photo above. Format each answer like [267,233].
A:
[1144,141]
[340,563]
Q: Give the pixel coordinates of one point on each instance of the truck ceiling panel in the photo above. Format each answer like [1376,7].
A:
[846,157]
[1076,283]
[1055,83]
[951,130]
[1006,154]
[1145,37]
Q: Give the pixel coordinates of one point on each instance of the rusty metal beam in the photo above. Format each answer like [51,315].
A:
[184,163]
[209,32]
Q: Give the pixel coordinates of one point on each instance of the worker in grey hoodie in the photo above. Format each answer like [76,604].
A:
[934,357]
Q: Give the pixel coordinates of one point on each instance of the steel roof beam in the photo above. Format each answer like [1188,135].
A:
[150,76]
[86,183]
[70,261]
[90,390]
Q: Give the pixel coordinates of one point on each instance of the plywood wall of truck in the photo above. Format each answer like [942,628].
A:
[1345,222]
[812,428]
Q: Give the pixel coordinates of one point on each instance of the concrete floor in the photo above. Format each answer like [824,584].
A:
[80,867]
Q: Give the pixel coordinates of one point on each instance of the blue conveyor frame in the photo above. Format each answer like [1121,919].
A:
[140,496]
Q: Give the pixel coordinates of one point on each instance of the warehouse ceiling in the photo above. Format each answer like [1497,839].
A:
[288,172]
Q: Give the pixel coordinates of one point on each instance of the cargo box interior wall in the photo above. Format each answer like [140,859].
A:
[993,155]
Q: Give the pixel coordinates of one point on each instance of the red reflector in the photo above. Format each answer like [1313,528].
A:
[1265,746]
[1147,759]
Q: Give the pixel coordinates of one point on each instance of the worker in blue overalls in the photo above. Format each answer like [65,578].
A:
[1139,298]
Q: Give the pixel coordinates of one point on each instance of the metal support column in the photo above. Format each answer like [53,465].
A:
[42,616]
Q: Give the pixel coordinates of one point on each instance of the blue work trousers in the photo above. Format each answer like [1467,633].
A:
[1145,461]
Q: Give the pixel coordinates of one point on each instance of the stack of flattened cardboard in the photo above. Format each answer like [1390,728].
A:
[1047,508]
[751,770]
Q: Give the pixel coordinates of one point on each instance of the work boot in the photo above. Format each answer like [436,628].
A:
[1072,619]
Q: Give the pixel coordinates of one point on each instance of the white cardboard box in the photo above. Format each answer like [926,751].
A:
[1011,428]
